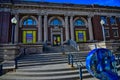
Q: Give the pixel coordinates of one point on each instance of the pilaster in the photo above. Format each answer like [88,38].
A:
[45,28]
[90,27]
[66,28]
[39,28]
[71,27]
[16,28]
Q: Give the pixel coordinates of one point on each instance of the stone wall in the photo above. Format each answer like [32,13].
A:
[32,48]
[8,52]
[89,46]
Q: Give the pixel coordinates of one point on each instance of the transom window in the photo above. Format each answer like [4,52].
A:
[56,22]
[104,19]
[115,32]
[29,21]
[112,20]
[79,22]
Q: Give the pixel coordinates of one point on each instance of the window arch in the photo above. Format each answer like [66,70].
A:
[79,22]
[56,22]
[29,21]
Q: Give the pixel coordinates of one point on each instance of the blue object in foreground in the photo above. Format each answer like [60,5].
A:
[101,64]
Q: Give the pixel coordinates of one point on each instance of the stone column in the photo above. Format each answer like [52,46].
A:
[16,29]
[66,28]
[45,28]
[71,28]
[90,28]
[39,28]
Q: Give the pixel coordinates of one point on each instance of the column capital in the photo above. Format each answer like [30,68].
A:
[13,12]
[45,14]
[90,16]
[39,14]
[71,15]
[42,12]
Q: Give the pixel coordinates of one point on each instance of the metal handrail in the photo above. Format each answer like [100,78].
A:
[73,44]
[21,54]
[1,69]
[71,62]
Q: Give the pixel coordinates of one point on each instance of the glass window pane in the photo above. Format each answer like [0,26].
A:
[115,32]
[79,22]
[112,20]
[56,22]
[107,33]
[25,22]
[29,21]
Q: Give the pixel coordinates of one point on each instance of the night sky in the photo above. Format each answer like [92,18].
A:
[100,2]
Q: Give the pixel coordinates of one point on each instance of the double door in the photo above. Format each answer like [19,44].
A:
[56,40]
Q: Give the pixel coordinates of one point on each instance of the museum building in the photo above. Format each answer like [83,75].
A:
[56,23]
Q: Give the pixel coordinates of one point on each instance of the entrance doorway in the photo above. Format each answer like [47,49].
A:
[80,36]
[29,36]
[56,40]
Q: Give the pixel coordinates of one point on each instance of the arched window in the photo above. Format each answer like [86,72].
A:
[79,22]
[29,21]
[56,22]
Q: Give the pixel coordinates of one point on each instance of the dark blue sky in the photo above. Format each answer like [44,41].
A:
[100,2]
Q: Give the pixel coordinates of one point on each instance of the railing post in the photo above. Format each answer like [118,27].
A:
[118,59]
[16,66]
[1,69]
[95,46]
[80,72]
[24,51]
[69,59]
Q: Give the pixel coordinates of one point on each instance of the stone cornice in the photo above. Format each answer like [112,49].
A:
[57,6]
[44,9]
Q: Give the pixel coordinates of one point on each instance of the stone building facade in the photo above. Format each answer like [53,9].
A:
[56,23]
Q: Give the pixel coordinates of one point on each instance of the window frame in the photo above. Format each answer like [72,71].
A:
[52,22]
[26,22]
[116,32]
[113,20]
[107,33]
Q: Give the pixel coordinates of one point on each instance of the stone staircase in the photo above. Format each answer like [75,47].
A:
[56,49]
[46,66]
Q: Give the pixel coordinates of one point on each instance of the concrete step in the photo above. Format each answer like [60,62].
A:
[46,66]
[38,74]
[64,77]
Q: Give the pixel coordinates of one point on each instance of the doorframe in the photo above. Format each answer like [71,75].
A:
[56,35]
[61,37]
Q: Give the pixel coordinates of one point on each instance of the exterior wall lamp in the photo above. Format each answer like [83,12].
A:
[102,22]
[14,22]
